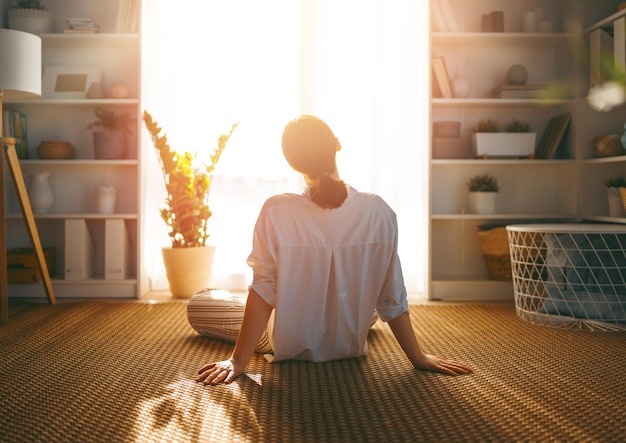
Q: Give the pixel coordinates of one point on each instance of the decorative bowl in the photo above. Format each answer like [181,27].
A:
[608,145]
[55,150]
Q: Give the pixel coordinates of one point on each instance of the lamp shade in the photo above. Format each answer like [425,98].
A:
[20,64]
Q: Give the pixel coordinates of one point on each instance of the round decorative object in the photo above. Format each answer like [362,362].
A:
[608,145]
[55,150]
[119,90]
[517,75]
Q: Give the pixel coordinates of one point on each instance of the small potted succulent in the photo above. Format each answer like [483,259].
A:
[30,16]
[110,142]
[516,140]
[483,192]
[616,192]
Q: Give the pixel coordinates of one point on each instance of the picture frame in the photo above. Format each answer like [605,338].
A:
[69,81]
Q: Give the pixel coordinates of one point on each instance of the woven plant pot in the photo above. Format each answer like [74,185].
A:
[188,269]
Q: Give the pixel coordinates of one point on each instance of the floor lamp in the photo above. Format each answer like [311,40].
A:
[20,78]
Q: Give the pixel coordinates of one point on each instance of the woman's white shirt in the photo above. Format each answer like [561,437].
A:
[325,271]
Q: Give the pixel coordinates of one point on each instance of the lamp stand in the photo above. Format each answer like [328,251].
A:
[8,151]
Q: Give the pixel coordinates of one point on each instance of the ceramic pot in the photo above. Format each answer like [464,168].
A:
[188,269]
[616,207]
[109,145]
[483,202]
[40,192]
[34,21]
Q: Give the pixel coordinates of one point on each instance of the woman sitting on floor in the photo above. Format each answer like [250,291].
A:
[325,264]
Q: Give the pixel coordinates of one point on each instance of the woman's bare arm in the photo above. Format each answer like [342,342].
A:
[403,331]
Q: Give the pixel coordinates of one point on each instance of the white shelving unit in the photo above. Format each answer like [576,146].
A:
[570,186]
[74,181]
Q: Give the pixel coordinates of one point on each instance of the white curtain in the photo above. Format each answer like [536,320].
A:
[361,65]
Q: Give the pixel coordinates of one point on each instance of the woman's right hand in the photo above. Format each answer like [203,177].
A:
[220,372]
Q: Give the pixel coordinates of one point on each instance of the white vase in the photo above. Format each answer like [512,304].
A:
[40,192]
[461,86]
[616,206]
[188,270]
[106,197]
[483,202]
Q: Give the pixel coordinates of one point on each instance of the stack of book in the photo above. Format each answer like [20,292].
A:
[80,25]
[520,91]
[14,125]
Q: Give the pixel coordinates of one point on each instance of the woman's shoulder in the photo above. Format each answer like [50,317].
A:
[287,198]
[370,198]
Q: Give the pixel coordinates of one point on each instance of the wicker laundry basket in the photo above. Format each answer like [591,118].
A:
[494,244]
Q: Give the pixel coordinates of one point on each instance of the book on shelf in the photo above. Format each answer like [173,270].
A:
[519,91]
[80,25]
[440,73]
[14,125]
[79,31]
[552,136]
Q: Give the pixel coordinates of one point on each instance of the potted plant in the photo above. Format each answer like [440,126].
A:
[189,260]
[517,140]
[483,192]
[110,142]
[30,16]
[614,187]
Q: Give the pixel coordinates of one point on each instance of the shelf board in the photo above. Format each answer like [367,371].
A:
[73,215]
[600,160]
[605,219]
[77,102]
[500,38]
[501,101]
[502,216]
[499,161]
[92,288]
[471,289]
[68,41]
[78,162]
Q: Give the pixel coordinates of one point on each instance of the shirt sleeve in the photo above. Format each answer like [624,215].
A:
[392,301]
[262,259]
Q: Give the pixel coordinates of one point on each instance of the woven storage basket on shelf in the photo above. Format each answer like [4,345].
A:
[494,244]
[622,193]
[55,150]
